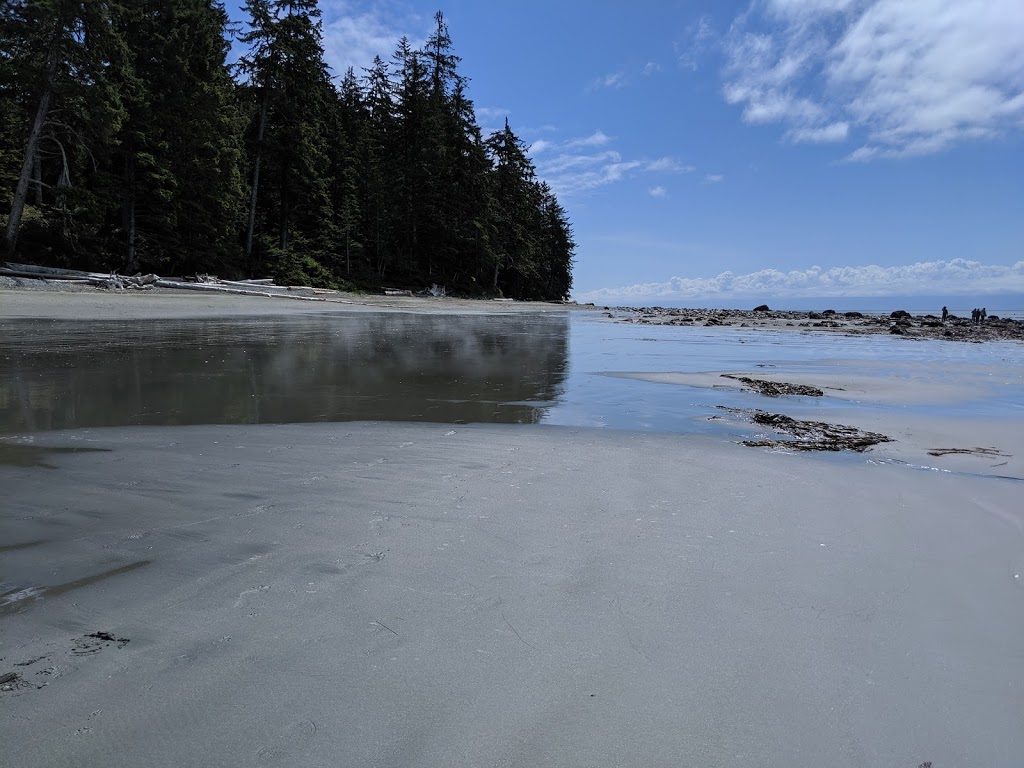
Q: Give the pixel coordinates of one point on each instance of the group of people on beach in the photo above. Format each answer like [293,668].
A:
[977,315]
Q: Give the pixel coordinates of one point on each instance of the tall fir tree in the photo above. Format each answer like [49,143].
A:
[55,57]
[291,223]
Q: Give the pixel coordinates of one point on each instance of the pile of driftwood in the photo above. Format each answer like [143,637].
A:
[257,287]
[112,281]
[209,283]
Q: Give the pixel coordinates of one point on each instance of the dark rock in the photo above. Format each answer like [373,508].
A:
[853,315]
[814,316]
[900,313]
[809,435]
[897,330]
[762,308]
[829,312]
[775,388]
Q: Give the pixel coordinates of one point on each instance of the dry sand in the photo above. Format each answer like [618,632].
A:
[424,595]
[95,304]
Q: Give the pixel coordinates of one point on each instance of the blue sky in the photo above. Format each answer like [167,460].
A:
[769,149]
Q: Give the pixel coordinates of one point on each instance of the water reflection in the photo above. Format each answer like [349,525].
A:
[452,369]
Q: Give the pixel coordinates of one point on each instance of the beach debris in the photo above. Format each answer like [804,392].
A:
[775,388]
[967,451]
[96,642]
[12,681]
[808,435]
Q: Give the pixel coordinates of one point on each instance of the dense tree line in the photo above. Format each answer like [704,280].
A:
[128,142]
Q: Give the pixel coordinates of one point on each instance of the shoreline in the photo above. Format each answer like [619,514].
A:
[22,298]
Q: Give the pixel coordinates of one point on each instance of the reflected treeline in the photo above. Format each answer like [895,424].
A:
[452,369]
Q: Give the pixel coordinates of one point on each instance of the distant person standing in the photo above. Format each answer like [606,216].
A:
[984,314]
[974,315]
[945,314]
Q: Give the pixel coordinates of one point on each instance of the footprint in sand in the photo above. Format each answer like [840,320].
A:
[244,596]
[287,741]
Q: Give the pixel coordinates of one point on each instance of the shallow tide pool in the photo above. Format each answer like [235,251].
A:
[556,368]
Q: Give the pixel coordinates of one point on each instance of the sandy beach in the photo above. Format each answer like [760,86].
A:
[93,304]
[386,593]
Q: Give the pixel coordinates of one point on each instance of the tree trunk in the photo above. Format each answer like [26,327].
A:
[131,260]
[32,147]
[37,179]
[256,179]
[285,210]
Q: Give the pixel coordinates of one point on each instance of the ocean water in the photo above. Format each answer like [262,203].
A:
[556,368]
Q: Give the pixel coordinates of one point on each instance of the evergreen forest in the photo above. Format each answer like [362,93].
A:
[132,141]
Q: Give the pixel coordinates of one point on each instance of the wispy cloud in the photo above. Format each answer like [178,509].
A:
[657,192]
[596,139]
[700,38]
[651,68]
[911,77]
[669,165]
[487,114]
[714,178]
[826,134]
[585,163]
[612,80]
[957,277]
[353,33]
[541,145]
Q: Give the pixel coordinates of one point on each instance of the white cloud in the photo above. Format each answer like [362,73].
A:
[700,38]
[613,80]
[669,165]
[657,192]
[487,114]
[540,145]
[714,178]
[596,139]
[832,133]
[957,277]
[651,68]
[912,76]
[352,37]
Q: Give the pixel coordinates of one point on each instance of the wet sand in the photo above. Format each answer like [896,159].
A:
[428,595]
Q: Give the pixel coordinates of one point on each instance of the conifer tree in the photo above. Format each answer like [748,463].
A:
[295,98]
[55,51]
[515,205]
